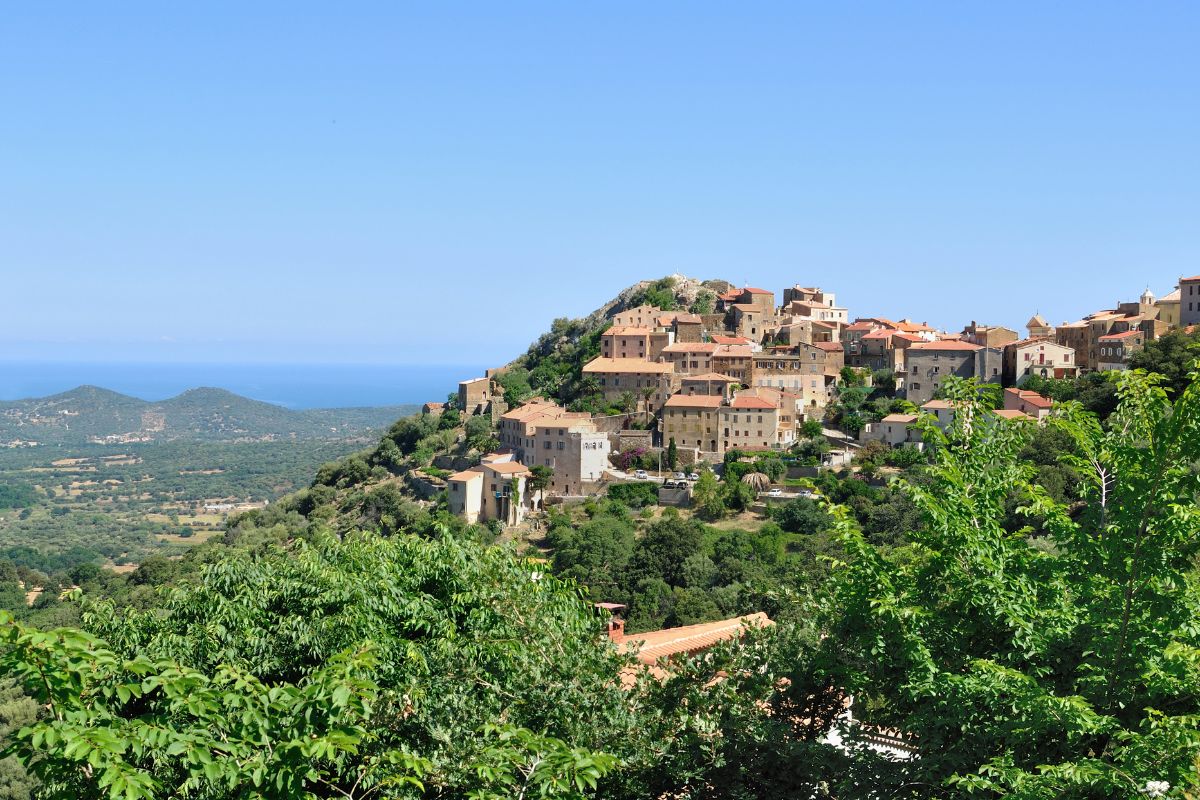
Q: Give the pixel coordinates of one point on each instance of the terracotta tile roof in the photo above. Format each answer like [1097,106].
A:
[633,365]
[945,344]
[651,646]
[905,418]
[908,337]
[688,318]
[508,468]
[1007,413]
[1124,335]
[690,347]
[760,403]
[882,333]
[1032,398]
[1171,297]
[937,404]
[816,323]
[693,401]
[830,346]
[466,474]
[862,326]
[909,326]
[530,410]
[1031,340]
[627,330]
[754,290]
[1193,278]
[734,350]
[717,339]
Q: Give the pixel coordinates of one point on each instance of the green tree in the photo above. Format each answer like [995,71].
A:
[1170,356]
[707,497]
[1029,672]
[671,459]
[340,668]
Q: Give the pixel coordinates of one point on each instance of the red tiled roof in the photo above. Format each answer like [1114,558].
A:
[905,418]
[1032,398]
[693,401]
[717,339]
[882,333]
[1124,335]
[653,645]
[626,365]
[830,346]
[466,474]
[754,290]
[1193,278]
[908,337]
[690,347]
[1031,340]
[862,326]
[688,318]
[752,402]
[507,467]
[945,344]
[937,404]
[1011,413]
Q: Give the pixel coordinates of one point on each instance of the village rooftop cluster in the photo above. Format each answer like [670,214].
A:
[748,375]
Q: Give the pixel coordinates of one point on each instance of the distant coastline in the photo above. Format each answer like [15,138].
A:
[294,386]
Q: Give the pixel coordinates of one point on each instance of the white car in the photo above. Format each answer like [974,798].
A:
[679,476]
[641,473]
[775,493]
[693,476]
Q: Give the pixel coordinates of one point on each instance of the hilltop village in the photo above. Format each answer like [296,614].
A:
[741,371]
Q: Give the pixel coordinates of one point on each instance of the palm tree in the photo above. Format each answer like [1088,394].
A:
[759,481]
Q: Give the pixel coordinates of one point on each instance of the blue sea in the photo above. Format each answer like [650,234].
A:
[291,385]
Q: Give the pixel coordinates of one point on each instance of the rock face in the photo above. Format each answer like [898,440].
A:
[686,291]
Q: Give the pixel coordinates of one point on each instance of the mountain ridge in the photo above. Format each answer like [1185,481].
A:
[90,414]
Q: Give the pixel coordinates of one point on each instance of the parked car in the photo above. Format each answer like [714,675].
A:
[692,476]
[775,493]
[679,476]
[641,473]
[671,485]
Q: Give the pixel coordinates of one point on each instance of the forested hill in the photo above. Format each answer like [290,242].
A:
[90,414]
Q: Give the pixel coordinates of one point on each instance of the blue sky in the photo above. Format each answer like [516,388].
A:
[393,183]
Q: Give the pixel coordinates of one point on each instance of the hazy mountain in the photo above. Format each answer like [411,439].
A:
[93,414]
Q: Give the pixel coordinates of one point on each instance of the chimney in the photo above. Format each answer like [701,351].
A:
[615,625]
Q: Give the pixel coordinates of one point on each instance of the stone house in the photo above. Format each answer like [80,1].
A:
[894,429]
[692,421]
[1117,348]
[1026,402]
[734,360]
[689,358]
[749,422]
[629,342]
[928,364]
[646,381]
[1189,301]
[1042,357]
